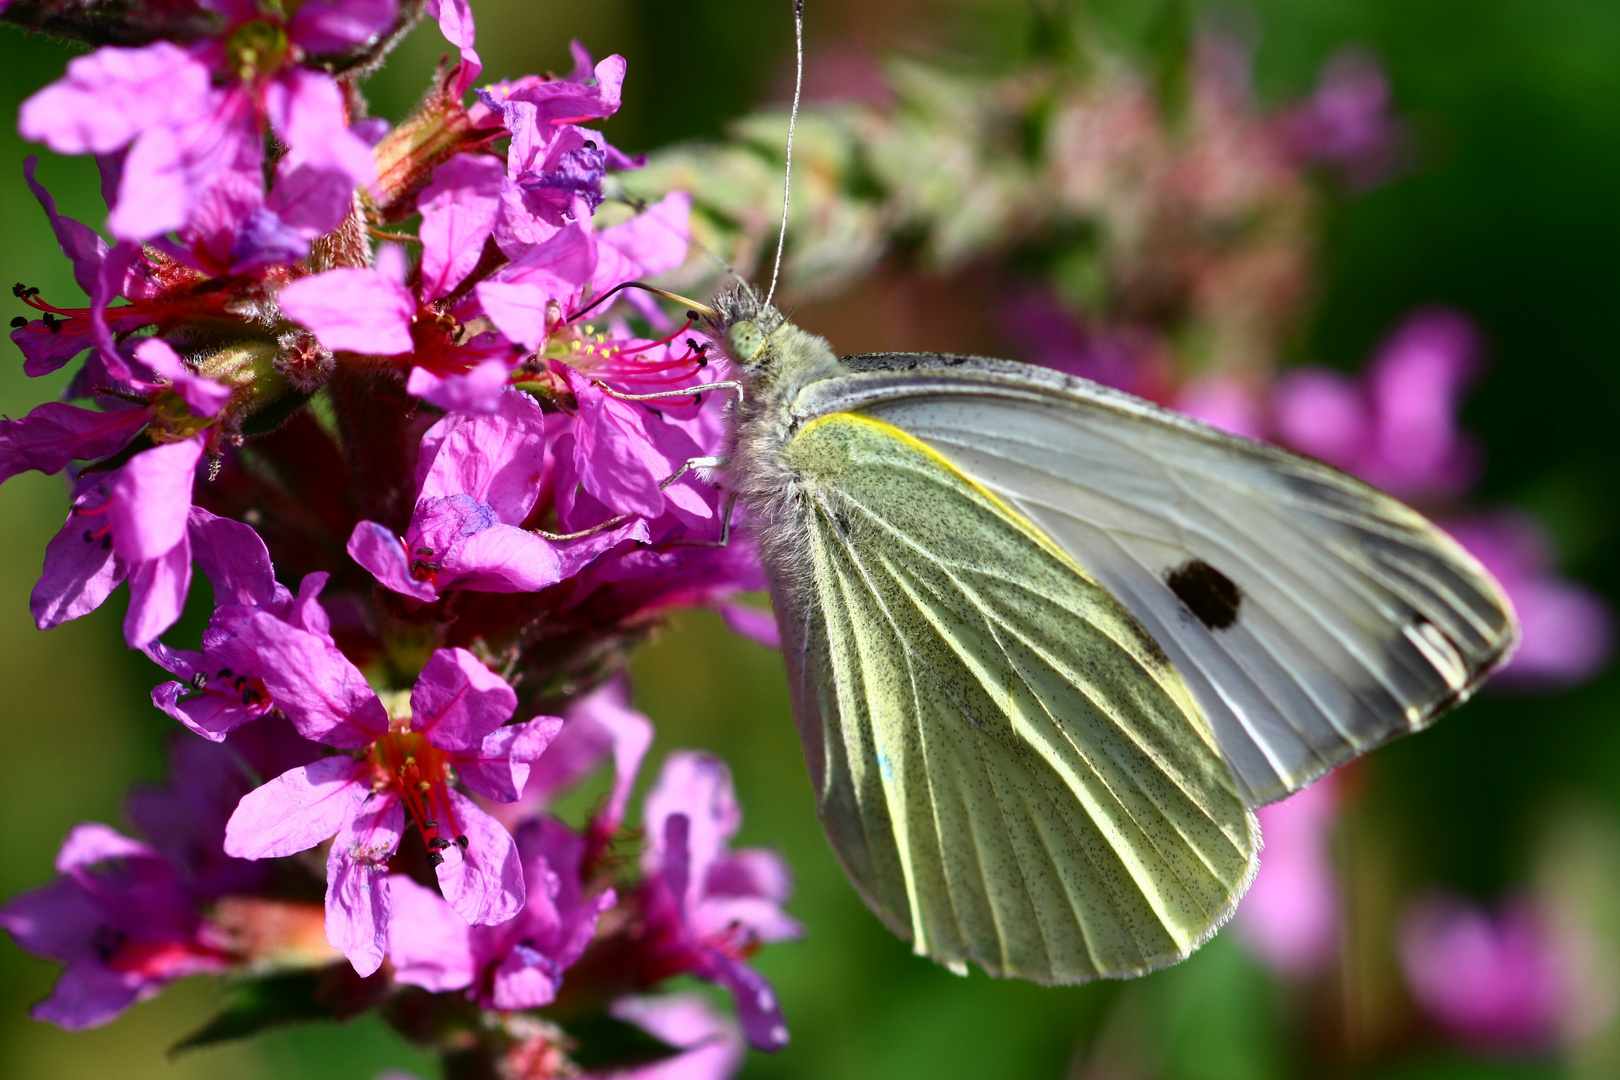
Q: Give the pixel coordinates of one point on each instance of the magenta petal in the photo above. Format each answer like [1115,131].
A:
[495,459]
[151,498]
[298,809]
[499,767]
[357,892]
[376,548]
[322,693]
[54,435]
[306,109]
[483,881]
[78,576]
[93,842]
[307,612]
[428,944]
[157,595]
[525,979]
[456,24]
[212,716]
[756,624]
[457,700]
[652,242]
[87,996]
[112,95]
[204,397]
[234,559]
[505,559]
[757,1005]
[458,211]
[357,311]
[332,26]
[517,308]
[475,391]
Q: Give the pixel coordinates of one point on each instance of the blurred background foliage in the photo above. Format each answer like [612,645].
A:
[1506,210]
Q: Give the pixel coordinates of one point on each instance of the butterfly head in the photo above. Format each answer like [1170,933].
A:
[745,324]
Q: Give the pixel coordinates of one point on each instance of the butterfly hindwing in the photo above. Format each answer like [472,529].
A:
[1006,763]
[1311,616]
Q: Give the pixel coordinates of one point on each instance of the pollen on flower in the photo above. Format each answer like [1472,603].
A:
[404,762]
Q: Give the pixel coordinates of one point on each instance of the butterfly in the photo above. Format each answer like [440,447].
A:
[1049,645]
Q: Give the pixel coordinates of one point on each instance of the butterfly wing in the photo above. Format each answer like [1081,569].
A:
[1312,616]
[1006,763]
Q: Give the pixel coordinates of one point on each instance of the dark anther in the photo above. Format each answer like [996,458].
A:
[425,552]
[693,316]
[19,322]
[430,824]
[438,843]
[225,673]
[89,537]
[106,543]
[199,680]
[590,144]
[697,399]
[462,840]
[250,697]
[435,859]
[18,290]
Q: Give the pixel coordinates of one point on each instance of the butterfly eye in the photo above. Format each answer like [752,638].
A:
[745,341]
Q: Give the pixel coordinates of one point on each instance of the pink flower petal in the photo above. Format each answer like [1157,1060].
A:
[157,595]
[457,701]
[54,435]
[376,548]
[203,396]
[297,810]
[458,212]
[484,881]
[350,310]
[315,685]
[428,943]
[499,767]
[496,459]
[357,892]
[112,95]
[151,499]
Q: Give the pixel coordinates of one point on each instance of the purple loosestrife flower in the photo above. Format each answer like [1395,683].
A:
[1290,917]
[372,311]
[518,964]
[130,523]
[1491,981]
[478,479]
[191,120]
[1396,427]
[706,908]
[555,168]
[1566,632]
[221,686]
[451,731]
[122,921]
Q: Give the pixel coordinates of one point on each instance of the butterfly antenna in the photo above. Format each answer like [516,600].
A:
[793,116]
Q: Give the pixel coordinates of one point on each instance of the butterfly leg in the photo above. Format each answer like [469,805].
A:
[610,523]
[694,392]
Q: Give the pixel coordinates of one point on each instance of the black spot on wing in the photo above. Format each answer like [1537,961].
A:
[1208,593]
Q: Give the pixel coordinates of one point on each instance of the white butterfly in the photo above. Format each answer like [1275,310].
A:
[1049,644]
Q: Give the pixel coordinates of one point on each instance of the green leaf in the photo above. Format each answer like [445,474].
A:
[266,1003]
[606,1042]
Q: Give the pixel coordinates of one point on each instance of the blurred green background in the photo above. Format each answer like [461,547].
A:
[1513,216]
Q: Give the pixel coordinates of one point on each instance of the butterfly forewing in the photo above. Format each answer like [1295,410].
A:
[1007,764]
[1311,616]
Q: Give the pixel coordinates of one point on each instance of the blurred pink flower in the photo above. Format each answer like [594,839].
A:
[1491,981]
[1396,426]
[1567,632]
[1290,918]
